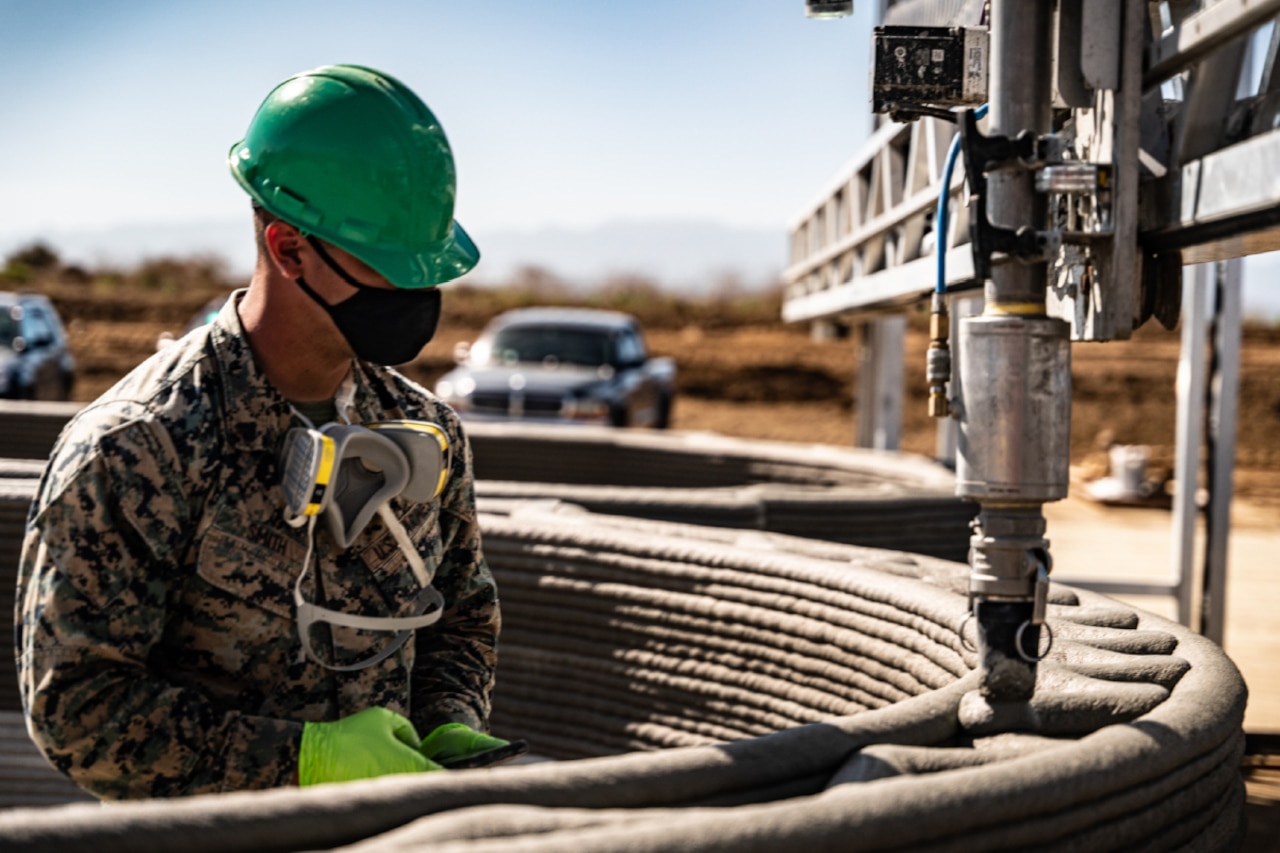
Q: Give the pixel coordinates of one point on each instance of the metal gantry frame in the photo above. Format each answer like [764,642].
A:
[1194,142]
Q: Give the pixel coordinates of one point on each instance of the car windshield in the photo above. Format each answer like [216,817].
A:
[550,345]
[8,328]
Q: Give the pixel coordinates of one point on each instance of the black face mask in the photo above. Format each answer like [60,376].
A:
[380,325]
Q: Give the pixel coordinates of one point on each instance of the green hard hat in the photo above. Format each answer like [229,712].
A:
[354,157]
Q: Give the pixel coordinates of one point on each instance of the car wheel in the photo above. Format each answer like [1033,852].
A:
[663,420]
[618,416]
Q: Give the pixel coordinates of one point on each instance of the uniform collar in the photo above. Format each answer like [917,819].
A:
[257,415]
[358,393]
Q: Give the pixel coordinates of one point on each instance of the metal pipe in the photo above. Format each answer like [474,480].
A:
[1191,384]
[1224,386]
[1021,99]
[1016,367]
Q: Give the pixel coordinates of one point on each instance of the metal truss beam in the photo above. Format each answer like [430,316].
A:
[1229,204]
[860,244]
[1199,35]
[894,287]
[1225,204]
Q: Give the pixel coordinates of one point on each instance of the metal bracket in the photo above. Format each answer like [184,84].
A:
[984,154]
[1041,594]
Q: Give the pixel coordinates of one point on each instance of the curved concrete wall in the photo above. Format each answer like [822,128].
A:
[765,693]
[18,483]
[861,497]
[850,495]
[29,428]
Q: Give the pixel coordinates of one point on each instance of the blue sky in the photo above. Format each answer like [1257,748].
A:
[564,115]
[561,113]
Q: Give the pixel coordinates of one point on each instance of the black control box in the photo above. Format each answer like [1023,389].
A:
[928,67]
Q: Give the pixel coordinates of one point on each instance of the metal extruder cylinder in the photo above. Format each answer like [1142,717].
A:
[1015,426]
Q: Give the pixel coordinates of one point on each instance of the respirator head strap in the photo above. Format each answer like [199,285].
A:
[371,471]
[428,608]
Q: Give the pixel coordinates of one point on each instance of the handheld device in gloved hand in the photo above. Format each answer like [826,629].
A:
[459,747]
[373,742]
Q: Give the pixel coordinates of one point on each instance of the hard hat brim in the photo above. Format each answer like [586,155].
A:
[410,268]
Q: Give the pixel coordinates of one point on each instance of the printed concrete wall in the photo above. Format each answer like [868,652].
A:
[743,691]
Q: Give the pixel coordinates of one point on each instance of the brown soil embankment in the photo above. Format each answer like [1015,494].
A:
[760,379]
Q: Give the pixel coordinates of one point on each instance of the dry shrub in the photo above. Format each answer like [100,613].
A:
[470,303]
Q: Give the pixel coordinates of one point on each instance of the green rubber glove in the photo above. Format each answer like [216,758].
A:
[457,747]
[374,742]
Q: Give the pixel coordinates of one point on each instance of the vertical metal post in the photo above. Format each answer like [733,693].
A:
[1016,410]
[865,393]
[878,413]
[1191,383]
[875,421]
[1021,99]
[1224,384]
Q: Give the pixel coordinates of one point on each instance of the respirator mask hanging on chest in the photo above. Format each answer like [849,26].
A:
[346,474]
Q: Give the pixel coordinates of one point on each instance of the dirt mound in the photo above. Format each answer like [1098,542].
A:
[766,380]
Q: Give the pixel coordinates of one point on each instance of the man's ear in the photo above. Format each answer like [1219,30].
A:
[283,242]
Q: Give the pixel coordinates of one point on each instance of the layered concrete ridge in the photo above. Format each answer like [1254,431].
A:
[29,428]
[744,691]
[850,495]
[18,481]
[855,496]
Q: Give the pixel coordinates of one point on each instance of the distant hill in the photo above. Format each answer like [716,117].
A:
[689,257]
[685,256]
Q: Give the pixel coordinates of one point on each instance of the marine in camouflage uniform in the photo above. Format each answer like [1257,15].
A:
[157,642]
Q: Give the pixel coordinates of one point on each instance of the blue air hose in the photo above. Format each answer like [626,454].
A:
[940,220]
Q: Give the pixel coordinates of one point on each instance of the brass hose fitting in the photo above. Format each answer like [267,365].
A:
[938,369]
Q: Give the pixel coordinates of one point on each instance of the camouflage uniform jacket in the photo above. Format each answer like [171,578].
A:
[158,652]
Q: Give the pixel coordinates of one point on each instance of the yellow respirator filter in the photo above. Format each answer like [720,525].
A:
[426,447]
[345,472]
[309,462]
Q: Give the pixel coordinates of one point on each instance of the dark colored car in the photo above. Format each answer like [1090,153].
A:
[35,361]
[565,365]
